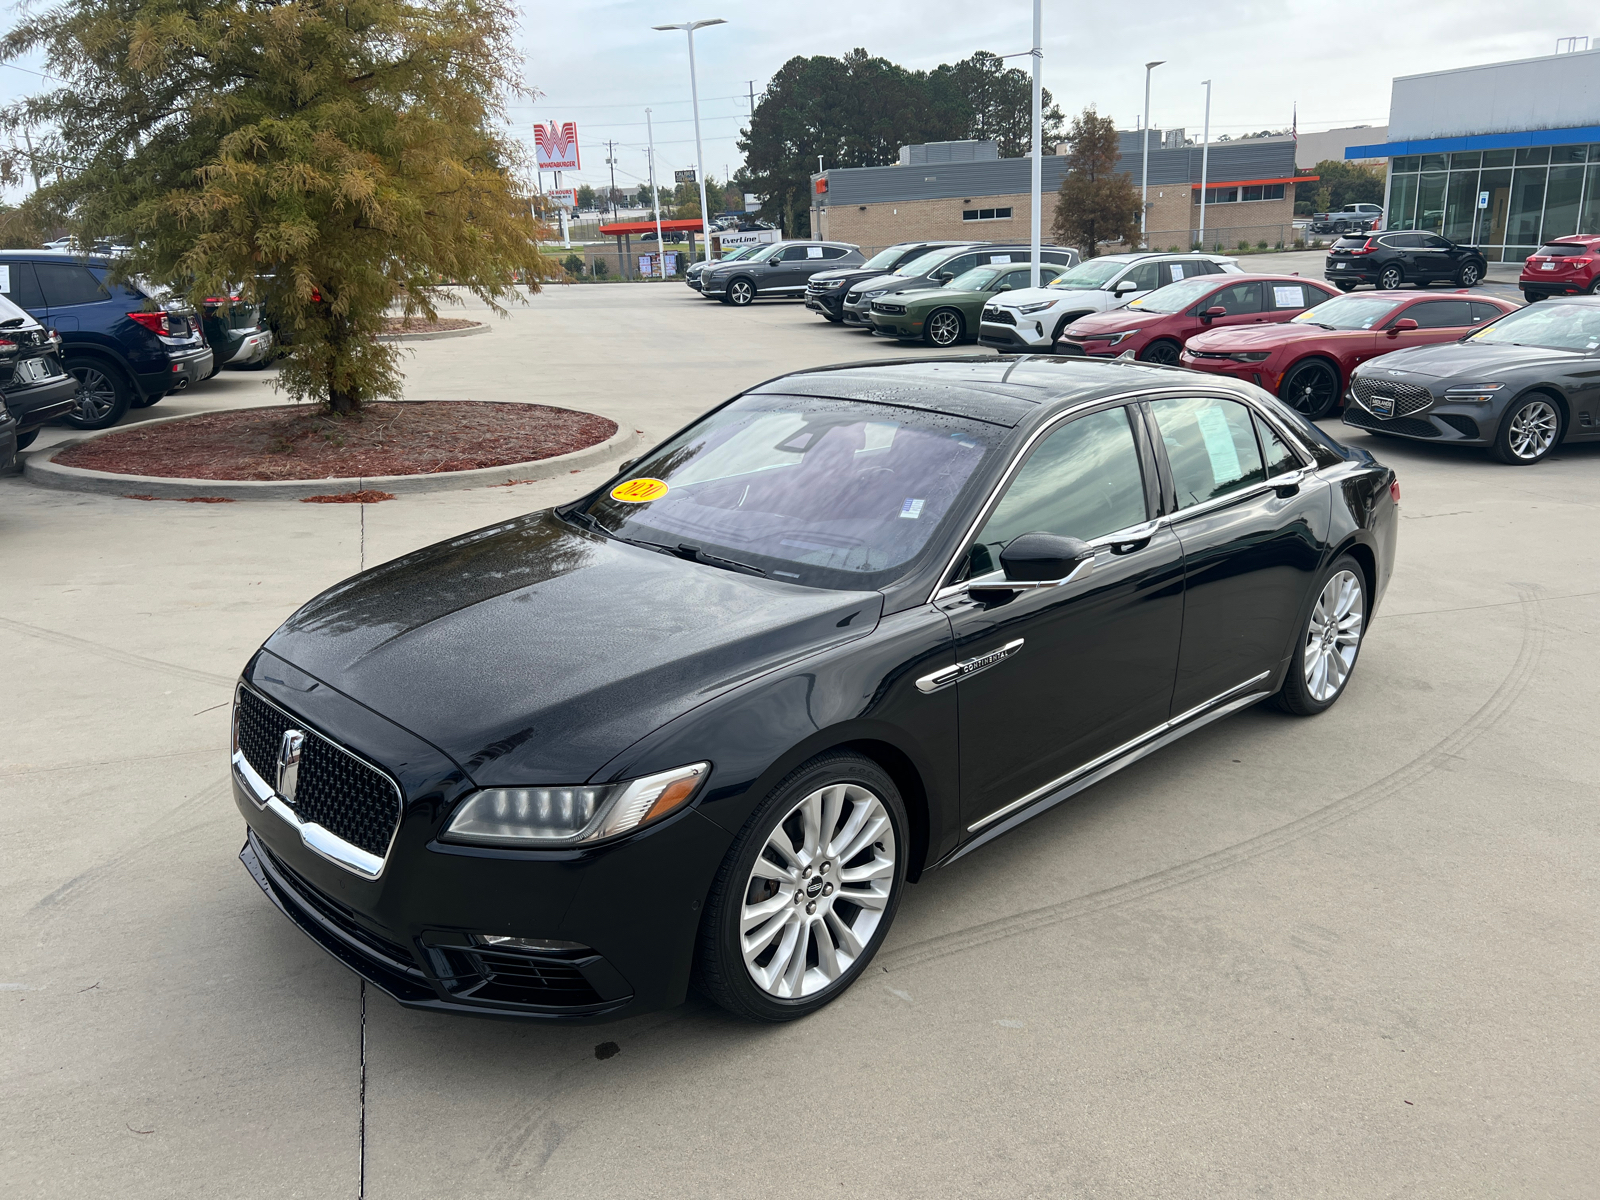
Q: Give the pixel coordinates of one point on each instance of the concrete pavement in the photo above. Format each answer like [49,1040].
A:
[1351,956]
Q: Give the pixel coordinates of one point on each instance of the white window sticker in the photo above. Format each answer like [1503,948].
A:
[1177,272]
[813,251]
[1001,258]
[5,278]
[911,509]
[1293,296]
[1219,444]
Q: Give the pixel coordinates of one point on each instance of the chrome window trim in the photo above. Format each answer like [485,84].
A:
[319,840]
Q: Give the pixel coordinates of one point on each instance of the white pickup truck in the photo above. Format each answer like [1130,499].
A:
[1352,218]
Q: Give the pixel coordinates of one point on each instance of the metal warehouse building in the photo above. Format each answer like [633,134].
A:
[966,190]
[1505,156]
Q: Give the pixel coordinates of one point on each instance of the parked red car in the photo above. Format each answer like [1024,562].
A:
[1155,327]
[1306,362]
[1561,267]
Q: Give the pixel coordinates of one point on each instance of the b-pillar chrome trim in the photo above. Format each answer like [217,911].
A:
[1035,802]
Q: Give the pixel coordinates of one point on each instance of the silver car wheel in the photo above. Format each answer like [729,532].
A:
[1333,637]
[1533,430]
[740,292]
[96,394]
[817,891]
[944,328]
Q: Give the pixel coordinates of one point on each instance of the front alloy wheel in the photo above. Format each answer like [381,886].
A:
[807,894]
[1326,654]
[944,328]
[1528,433]
[741,292]
[1162,352]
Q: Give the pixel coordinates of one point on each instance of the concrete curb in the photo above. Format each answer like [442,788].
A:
[435,334]
[39,469]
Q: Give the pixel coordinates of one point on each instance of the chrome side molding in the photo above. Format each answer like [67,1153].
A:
[945,676]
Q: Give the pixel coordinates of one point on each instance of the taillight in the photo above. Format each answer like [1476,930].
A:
[1366,249]
[155,322]
[7,347]
[1394,490]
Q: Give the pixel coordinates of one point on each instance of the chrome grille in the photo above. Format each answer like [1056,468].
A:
[336,790]
[998,316]
[1408,397]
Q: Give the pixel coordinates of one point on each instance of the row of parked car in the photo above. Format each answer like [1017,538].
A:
[76,346]
[1313,343]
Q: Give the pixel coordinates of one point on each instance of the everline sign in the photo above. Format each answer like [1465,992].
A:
[557,146]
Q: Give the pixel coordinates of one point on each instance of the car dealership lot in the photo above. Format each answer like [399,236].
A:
[1345,956]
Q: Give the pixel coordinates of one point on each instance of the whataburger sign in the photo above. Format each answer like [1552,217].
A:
[557,146]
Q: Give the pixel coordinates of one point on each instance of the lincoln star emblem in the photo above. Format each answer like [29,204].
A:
[1397,372]
[289,763]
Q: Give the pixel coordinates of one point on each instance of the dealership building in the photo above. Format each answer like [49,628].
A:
[966,190]
[1504,156]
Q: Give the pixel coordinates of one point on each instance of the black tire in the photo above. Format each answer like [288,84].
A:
[720,971]
[1593,289]
[24,440]
[1344,285]
[1311,389]
[147,401]
[944,327]
[1390,278]
[1061,328]
[103,394]
[740,292]
[831,319]
[1530,431]
[1532,297]
[1299,694]
[1163,352]
[1469,275]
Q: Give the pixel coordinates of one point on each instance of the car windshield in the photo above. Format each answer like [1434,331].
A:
[765,252]
[884,260]
[1176,297]
[1347,312]
[1554,326]
[1089,275]
[741,252]
[926,264]
[975,280]
[825,493]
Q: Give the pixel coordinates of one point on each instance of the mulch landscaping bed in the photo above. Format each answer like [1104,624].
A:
[298,442]
[423,325]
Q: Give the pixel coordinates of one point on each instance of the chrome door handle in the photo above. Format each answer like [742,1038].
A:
[945,676]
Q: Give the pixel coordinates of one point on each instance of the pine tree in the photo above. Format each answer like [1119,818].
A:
[1097,205]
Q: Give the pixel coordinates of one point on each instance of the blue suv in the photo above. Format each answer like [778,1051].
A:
[123,354]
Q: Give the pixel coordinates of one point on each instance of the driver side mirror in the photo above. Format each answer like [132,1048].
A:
[1039,560]
[942,276]
[1402,323]
[1125,286]
[1212,313]
[1004,287]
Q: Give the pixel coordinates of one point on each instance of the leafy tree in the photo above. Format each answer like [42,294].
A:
[686,201]
[642,196]
[587,199]
[1097,205]
[1341,183]
[331,159]
[999,101]
[19,230]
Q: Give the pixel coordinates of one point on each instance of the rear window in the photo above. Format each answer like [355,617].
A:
[1350,243]
[1562,250]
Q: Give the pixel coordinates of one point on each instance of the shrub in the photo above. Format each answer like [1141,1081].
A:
[1172,250]
[573,265]
[1262,245]
[600,269]
[1244,247]
[1279,245]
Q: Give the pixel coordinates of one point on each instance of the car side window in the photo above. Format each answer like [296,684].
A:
[1440,314]
[1145,276]
[795,253]
[834,252]
[1434,242]
[1082,481]
[959,265]
[1482,312]
[1292,297]
[1171,272]
[1280,458]
[69,283]
[1017,279]
[1056,256]
[1210,445]
[20,285]
[1236,298]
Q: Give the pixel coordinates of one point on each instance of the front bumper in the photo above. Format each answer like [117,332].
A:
[859,315]
[895,325]
[1439,421]
[1255,373]
[44,401]
[1025,338]
[828,303]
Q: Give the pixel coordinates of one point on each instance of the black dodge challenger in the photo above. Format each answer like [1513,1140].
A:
[704,724]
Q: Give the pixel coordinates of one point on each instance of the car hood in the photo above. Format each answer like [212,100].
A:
[1117,320]
[534,652]
[1265,337]
[944,295]
[1021,296]
[1467,360]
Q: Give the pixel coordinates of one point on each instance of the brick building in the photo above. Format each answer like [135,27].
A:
[965,189]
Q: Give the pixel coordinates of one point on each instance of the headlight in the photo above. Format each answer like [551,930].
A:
[1113,338]
[1037,306]
[1252,356]
[1477,393]
[557,816]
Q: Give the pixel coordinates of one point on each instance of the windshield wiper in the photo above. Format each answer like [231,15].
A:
[686,552]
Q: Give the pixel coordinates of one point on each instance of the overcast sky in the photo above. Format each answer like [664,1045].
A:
[599,63]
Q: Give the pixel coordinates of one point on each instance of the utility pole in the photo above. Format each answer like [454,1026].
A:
[611,161]
[1205,159]
[1144,134]
[1038,151]
[655,196]
[33,164]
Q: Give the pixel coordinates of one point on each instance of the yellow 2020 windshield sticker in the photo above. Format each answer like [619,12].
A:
[637,491]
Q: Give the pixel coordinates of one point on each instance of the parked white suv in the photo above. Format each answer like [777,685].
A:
[1032,319]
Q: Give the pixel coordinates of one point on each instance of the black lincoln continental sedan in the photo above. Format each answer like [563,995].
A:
[704,724]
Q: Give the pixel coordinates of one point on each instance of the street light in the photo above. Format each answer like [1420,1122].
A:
[1205,159]
[1036,168]
[1144,187]
[694,95]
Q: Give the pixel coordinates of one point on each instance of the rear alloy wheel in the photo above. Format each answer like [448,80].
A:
[1329,644]
[944,327]
[806,895]
[741,292]
[1470,274]
[103,397]
[1311,389]
[1390,278]
[1163,352]
[1529,432]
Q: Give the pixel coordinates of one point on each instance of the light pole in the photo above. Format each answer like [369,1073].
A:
[1205,161]
[1037,182]
[1144,186]
[655,196]
[694,95]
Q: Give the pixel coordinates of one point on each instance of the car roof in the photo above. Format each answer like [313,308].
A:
[998,391]
[93,259]
[1581,239]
